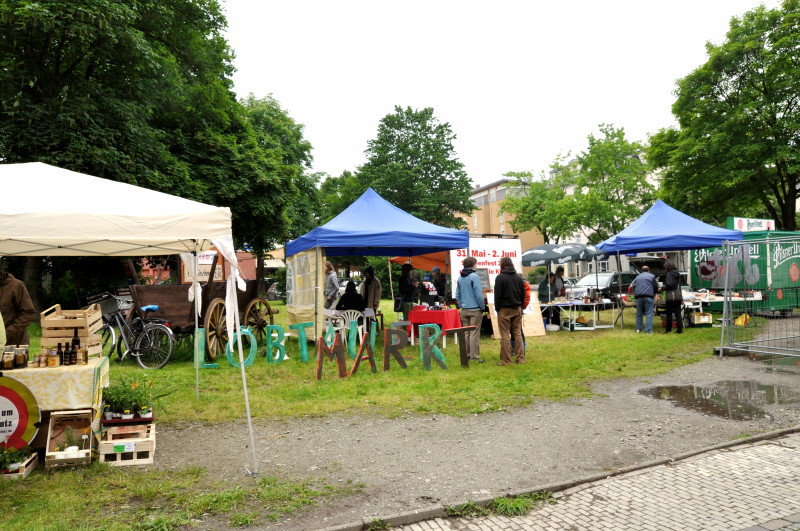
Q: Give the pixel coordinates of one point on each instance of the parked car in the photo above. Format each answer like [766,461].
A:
[607,284]
[343,284]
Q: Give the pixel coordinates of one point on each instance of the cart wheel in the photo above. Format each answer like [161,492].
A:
[216,332]
[258,315]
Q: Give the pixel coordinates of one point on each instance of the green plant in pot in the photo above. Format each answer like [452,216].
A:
[12,458]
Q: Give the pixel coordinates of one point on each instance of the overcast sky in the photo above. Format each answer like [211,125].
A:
[518,81]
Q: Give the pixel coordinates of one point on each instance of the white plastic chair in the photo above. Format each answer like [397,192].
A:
[352,315]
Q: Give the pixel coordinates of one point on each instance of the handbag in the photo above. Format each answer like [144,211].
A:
[674,295]
[398,304]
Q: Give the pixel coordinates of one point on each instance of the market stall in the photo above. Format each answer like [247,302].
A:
[662,228]
[124,220]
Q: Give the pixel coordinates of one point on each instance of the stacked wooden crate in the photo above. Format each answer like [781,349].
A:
[128,445]
[59,326]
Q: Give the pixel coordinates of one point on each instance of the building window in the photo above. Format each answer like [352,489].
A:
[474,221]
[502,229]
[602,267]
[493,195]
[480,200]
[502,217]
[501,194]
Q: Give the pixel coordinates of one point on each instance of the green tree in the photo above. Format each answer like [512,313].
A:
[598,193]
[736,147]
[138,92]
[413,165]
[533,208]
[610,184]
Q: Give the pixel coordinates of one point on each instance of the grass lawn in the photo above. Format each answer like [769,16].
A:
[560,365]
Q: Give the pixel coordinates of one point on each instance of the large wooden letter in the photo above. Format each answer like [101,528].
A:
[276,343]
[427,346]
[301,338]
[366,345]
[392,349]
[462,343]
[338,352]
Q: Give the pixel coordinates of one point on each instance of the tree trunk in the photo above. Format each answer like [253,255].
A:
[32,276]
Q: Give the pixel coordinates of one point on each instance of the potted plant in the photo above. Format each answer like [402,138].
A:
[11,459]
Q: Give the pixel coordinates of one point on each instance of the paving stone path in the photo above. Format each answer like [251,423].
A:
[753,487]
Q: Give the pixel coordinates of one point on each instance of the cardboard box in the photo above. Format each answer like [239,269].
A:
[701,318]
[80,420]
[128,445]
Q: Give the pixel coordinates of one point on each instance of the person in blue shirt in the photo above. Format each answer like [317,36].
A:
[469,296]
[645,288]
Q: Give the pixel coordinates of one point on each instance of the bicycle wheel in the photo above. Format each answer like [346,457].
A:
[154,346]
[108,340]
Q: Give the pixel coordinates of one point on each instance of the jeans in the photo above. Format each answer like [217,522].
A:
[644,305]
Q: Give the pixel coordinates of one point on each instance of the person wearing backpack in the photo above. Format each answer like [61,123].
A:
[673,297]
[469,296]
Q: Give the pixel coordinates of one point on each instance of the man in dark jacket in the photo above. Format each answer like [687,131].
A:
[509,294]
[645,288]
[17,309]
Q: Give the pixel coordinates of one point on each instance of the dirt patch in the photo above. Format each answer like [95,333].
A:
[414,462]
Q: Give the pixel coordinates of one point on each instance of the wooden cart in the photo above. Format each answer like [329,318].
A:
[174,306]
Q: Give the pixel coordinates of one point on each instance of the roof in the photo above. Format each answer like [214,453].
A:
[372,226]
[662,228]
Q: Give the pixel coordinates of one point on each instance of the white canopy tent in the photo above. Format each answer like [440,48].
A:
[49,211]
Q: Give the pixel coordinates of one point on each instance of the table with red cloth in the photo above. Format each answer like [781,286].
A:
[446,319]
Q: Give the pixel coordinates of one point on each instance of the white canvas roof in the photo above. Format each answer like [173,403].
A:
[49,211]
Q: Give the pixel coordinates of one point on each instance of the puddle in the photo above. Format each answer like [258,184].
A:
[736,400]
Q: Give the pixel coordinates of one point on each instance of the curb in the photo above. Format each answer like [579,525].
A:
[438,511]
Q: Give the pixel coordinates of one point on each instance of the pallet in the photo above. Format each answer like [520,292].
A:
[23,471]
[62,323]
[81,421]
[128,445]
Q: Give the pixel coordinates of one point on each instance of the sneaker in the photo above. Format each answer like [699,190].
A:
[476,360]
[638,331]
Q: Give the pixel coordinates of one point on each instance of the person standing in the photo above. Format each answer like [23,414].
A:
[371,290]
[561,289]
[509,293]
[16,308]
[469,296]
[407,287]
[645,288]
[547,293]
[439,283]
[673,297]
[2,333]
[331,286]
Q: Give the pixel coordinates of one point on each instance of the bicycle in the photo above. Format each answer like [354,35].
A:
[149,341]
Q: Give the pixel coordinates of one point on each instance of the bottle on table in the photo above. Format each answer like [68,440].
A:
[60,354]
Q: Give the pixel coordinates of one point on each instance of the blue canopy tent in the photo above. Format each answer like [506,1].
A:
[372,226]
[662,228]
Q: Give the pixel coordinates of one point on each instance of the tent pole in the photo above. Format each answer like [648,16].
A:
[619,282]
[197,305]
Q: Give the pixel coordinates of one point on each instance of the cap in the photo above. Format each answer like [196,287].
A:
[436,270]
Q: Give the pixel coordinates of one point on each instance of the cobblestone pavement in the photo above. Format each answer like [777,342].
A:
[752,487]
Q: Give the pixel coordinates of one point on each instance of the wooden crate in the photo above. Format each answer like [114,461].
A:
[128,445]
[60,323]
[93,344]
[81,422]
[23,471]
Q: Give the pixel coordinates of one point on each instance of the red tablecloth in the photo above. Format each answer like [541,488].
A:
[446,319]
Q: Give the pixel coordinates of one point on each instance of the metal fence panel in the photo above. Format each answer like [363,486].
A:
[761,283]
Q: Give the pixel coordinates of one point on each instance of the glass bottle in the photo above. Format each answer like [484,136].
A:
[60,354]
